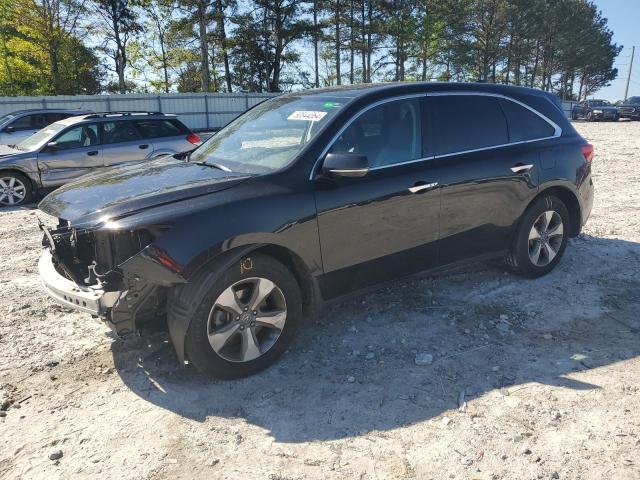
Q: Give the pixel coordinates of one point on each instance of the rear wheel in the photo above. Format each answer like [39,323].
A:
[245,319]
[541,238]
[15,189]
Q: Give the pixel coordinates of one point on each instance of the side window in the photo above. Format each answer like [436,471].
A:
[22,123]
[467,122]
[39,121]
[387,134]
[54,117]
[118,132]
[78,137]
[158,128]
[524,124]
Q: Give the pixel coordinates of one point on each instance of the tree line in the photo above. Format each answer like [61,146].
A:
[93,46]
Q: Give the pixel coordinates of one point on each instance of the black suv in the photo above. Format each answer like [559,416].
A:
[310,196]
[630,108]
[593,110]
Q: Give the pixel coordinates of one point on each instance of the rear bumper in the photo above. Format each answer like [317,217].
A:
[67,293]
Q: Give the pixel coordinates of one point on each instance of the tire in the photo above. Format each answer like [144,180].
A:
[15,189]
[209,292]
[590,117]
[549,246]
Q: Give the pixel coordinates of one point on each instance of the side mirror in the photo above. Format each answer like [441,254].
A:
[51,146]
[350,165]
[9,129]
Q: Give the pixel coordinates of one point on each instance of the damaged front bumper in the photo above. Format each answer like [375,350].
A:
[90,299]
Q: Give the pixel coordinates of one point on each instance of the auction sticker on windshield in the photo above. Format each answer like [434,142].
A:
[307,115]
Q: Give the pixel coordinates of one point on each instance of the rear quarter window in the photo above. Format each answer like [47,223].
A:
[467,122]
[524,124]
[161,128]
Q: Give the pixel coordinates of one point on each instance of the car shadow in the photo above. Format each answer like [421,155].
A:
[18,208]
[353,369]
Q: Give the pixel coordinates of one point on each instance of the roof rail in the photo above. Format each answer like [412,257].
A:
[129,113]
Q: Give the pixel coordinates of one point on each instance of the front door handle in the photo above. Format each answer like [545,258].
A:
[92,153]
[520,168]
[422,187]
[143,147]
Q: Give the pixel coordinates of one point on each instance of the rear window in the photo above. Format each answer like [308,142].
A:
[161,128]
[467,122]
[524,124]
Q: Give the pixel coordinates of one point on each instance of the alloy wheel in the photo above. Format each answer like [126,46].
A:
[545,238]
[247,319]
[12,191]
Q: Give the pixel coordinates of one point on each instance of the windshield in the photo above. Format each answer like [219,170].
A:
[40,138]
[270,135]
[6,119]
[600,103]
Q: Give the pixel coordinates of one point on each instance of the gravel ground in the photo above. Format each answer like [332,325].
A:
[518,379]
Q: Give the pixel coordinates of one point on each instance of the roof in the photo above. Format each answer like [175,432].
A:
[364,89]
[47,110]
[115,116]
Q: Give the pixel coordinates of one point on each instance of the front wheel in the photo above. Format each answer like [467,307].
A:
[541,238]
[244,319]
[15,189]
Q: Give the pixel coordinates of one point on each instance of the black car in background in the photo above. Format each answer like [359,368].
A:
[592,110]
[309,197]
[630,108]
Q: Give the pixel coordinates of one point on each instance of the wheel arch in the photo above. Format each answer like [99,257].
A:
[179,313]
[15,170]
[569,198]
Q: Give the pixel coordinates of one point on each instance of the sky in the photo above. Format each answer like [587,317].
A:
[624,21]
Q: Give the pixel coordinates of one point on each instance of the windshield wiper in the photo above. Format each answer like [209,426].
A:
[219,166]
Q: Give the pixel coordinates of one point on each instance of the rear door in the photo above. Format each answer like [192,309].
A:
[124,143]
[385,224]
[76,153]
[486,172]
[168,136]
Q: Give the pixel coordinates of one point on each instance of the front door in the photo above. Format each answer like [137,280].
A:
[76,153]
[385,224]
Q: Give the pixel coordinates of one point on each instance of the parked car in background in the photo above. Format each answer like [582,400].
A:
[310,196]
[593,110]
[16,126]
[72,147]
[630,108]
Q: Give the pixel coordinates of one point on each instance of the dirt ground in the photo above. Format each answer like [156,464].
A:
[529,379]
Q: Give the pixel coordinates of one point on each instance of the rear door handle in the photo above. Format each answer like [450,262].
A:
[92,153]
[521,168]
[143,147]
[422,187]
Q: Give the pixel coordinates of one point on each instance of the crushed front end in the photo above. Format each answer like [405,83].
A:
[110,273]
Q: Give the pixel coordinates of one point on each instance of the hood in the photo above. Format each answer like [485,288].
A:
[6,150]
[120,191]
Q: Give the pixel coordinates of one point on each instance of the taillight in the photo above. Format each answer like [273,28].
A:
[193,138]
[587,151]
